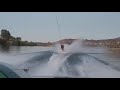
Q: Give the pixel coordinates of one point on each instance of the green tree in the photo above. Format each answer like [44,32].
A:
[12,38]
[5,34]
[18,41]
[18,38]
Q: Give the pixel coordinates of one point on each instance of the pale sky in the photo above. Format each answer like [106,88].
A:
[42,26]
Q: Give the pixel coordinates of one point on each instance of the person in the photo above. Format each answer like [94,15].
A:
[26,70]
[62,47]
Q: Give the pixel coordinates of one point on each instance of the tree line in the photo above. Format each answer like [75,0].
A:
[7,39]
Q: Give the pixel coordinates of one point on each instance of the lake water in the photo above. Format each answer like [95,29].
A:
[77,61]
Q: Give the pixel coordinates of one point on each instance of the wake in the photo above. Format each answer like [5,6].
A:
[75,62]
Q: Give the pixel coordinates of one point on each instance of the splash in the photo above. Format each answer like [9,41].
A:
[78,47]
[75,47]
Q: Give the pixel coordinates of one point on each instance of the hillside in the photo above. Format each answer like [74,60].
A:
[111,43]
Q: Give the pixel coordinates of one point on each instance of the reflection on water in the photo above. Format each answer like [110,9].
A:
[4,48]
[9,49]
[114,52]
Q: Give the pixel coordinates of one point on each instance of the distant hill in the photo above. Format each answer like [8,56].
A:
[112,39]
[117,38]
[65,41]
[69,41]
[112,43]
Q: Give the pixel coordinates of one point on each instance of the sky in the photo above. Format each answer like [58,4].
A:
[42,26]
